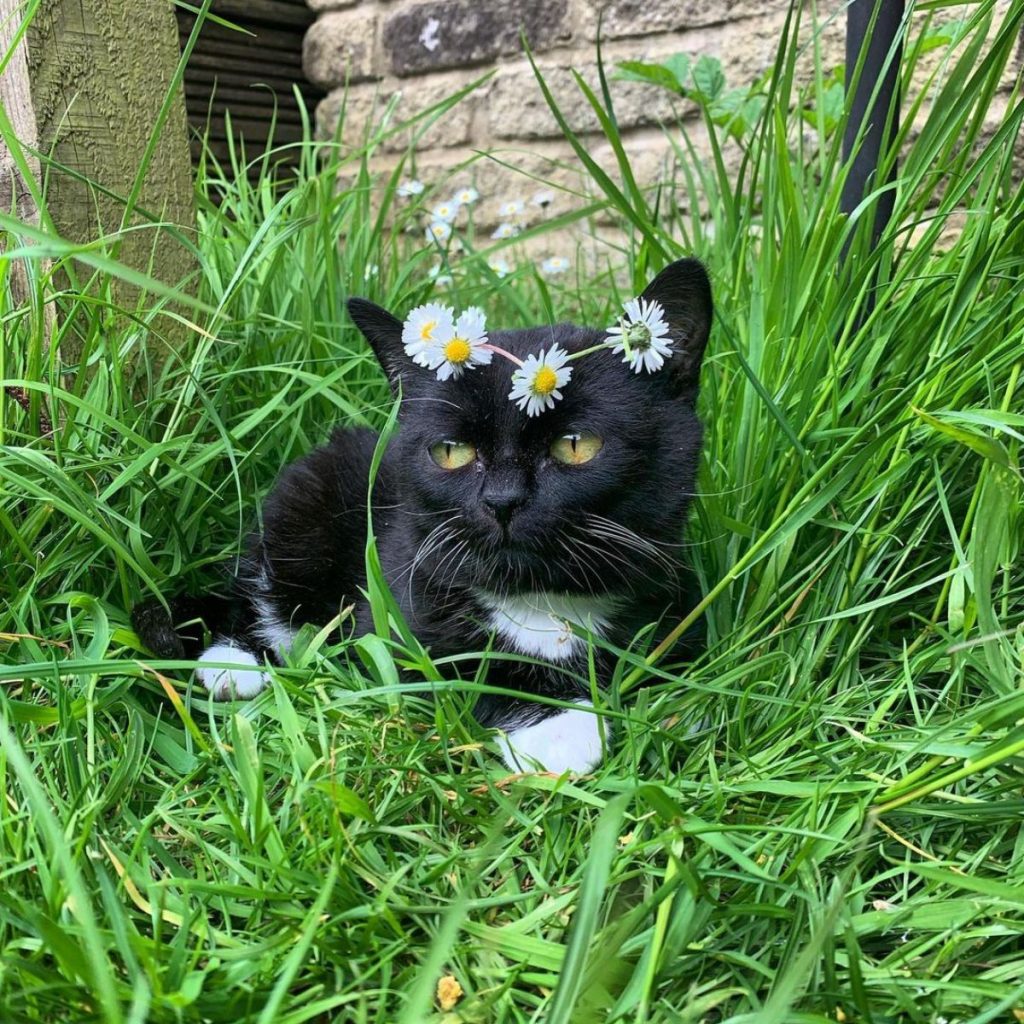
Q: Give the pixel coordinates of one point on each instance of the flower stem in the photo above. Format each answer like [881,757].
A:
[501,352]
[587,351]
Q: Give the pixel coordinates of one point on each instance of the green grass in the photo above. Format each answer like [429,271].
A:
[824,813]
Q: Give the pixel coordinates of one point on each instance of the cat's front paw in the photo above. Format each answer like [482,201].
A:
[568,741]
[230,673]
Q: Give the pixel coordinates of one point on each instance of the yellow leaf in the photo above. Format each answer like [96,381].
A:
[449,992]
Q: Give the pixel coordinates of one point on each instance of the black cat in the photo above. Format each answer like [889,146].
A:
[528,531]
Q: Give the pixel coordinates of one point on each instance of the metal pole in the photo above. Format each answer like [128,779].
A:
[871,27]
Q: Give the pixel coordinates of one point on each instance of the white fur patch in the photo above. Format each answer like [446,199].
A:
[541,624]
[570,741]
[241,681]
[275,633]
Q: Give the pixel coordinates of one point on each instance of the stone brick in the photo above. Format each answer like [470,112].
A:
[340,46]
[329,5]
[455,33]
[366,106]
[624,18]
[517,108]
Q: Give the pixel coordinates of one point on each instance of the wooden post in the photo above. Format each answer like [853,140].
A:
[86,92]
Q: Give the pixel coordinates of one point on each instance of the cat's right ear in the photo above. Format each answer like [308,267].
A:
[384,333]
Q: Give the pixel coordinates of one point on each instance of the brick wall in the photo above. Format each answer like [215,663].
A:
[414,53]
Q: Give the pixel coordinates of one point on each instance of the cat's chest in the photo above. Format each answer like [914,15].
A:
[547,625]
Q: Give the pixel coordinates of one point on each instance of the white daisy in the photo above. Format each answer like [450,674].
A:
[446,212]
[410,187]
[499,267]
[511,209]
[465,349]
[542,199]
[439,231]
[372,270]
[424,328]
[505,230]
[535,384]
[555,265]
[642,334]
[465,196]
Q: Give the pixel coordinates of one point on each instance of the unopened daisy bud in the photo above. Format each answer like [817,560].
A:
[438,276]
[535,384]
[642,335]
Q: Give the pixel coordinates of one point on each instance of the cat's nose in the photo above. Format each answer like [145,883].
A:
[502,500]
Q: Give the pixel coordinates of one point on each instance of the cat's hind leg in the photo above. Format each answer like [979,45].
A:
[230,671]
[244,630]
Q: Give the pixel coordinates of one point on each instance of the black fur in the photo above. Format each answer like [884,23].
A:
[309,561]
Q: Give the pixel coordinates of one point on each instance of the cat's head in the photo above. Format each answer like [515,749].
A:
[588,496]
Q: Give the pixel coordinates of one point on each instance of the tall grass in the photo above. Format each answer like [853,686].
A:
[821,819]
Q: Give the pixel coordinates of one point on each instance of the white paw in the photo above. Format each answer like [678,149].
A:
[570,741]
[243,679]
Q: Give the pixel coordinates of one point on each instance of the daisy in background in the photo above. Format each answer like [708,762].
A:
[535,384]
[505,230]
[555,265]
[439,231]
[410,187]
[511,209]
[499,267]
[466,196]
[426,328]
[465,349]
[446,212]
[642,335]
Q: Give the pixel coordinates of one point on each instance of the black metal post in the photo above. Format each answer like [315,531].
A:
[874,25]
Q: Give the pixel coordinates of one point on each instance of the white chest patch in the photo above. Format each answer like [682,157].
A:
[541,623]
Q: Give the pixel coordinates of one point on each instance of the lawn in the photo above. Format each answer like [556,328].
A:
[819,819]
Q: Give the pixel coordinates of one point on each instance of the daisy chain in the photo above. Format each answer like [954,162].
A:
[535,384]
[425,328]
[642,335]
[466,349]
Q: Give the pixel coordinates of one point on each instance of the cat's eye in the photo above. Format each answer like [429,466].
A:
[452,454]
[575,449]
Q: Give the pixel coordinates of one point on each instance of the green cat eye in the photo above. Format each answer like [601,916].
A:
[452,454]
[575,449]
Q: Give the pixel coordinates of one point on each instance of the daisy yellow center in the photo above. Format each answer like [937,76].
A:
[457,350]
[544,381]
[427,330]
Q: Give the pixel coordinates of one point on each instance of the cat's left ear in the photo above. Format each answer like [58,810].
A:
[384,333]
[684,293]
